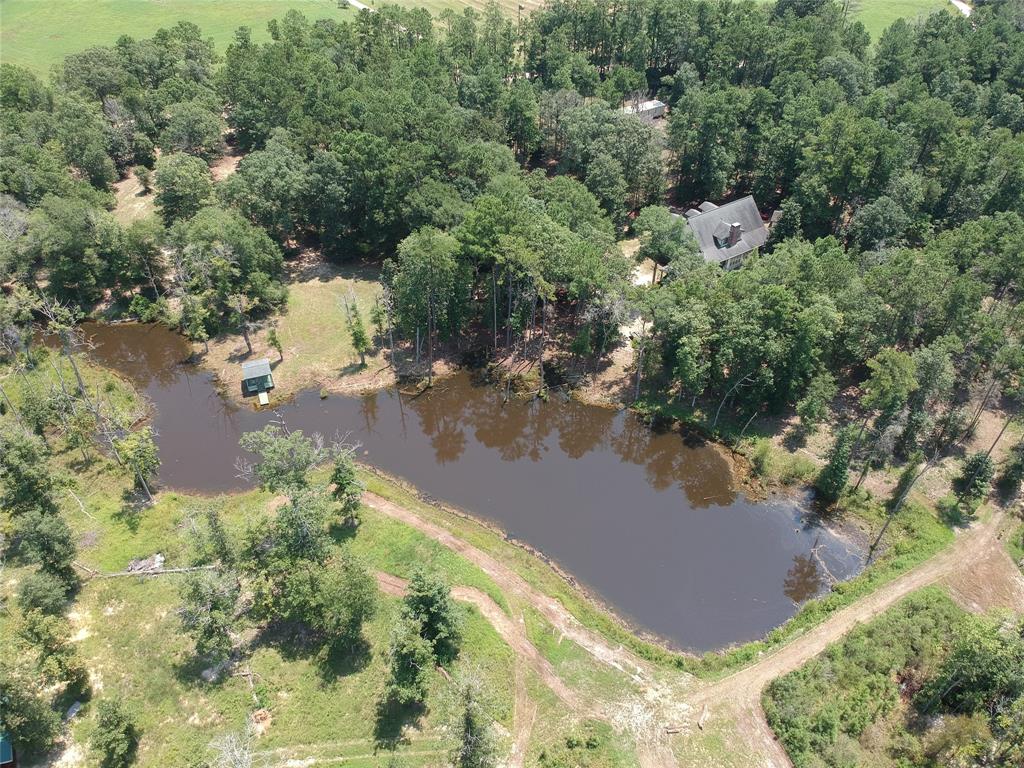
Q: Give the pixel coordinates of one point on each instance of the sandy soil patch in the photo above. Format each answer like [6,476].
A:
[226,164]
[133,203]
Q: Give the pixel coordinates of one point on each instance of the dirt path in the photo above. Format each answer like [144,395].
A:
[976,551]
[976,555]
[652,748]
[511,583]
[512,632]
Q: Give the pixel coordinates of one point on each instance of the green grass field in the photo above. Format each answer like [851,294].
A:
[876,15]
[39,33]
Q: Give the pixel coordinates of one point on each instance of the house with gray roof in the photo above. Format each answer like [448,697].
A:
[727,233]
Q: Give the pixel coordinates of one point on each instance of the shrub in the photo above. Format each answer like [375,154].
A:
[834,475]
[44,592]
[975,478]
[116,738]
[428,601]
[410,660]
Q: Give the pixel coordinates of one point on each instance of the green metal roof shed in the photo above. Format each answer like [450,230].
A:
[256,377]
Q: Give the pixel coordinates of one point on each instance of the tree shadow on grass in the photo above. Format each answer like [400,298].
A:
[294,641]
[342,659]
[352,368]
[194,671]
[952,513]
[794,439]
[133,504]
[391,720]
[342,531]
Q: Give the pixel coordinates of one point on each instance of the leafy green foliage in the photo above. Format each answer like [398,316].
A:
[183,186]
[193,128]
[829,702]
[975,478]
[983,670]
[43,591]
[285,458]
[223,260]
[346,597]
[31,723]
[813,407]
[115,738]
[475,742]
[140,455]
[208,601]
[47,539]
[58,661]
[348,489]
[410,660]
[360,339]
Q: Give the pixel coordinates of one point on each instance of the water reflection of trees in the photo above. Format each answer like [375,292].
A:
[146,354]
[803,580]
[521,430]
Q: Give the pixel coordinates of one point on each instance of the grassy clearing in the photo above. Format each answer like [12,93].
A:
[876,15]
[317,345]
[129,636]
[39,34]
[129,633]
[572,663]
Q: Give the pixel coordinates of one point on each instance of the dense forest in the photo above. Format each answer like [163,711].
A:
[492,172]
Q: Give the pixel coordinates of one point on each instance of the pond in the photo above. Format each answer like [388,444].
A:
[650,522]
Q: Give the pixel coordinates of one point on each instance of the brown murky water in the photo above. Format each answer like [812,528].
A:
[648,521]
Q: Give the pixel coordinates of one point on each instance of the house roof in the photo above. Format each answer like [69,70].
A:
[256,369]
[715,220]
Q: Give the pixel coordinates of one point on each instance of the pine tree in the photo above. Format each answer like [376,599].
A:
[834,475]
[360,339]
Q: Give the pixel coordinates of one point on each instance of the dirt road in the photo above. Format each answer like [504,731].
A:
[512,632]
[976,554]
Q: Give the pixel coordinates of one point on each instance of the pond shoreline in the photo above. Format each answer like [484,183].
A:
[656,520]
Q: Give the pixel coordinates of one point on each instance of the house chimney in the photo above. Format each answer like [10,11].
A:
[735,230]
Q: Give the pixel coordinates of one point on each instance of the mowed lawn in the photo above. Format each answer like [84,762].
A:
[39,33]
[876,15]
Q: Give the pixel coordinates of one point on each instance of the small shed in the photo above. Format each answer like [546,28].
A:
[649,110]
[256,377]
